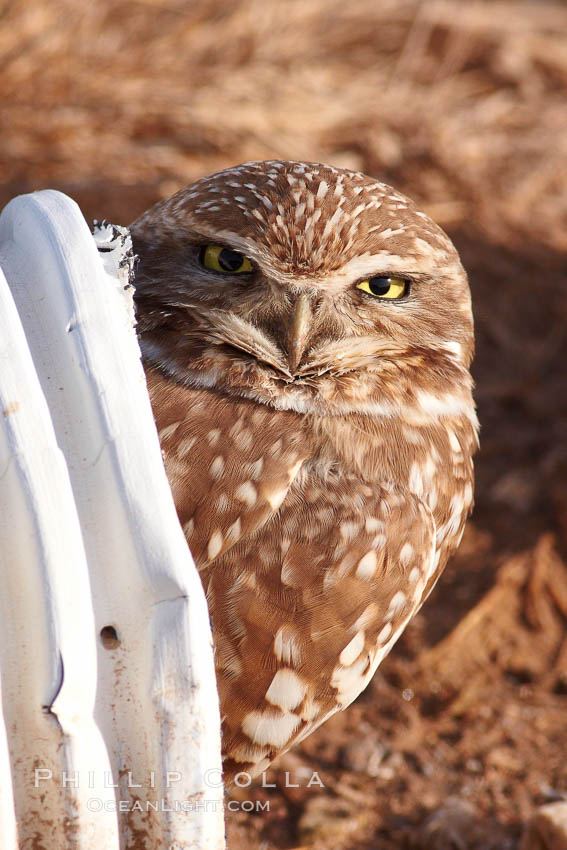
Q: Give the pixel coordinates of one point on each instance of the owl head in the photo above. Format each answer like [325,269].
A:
[305,287]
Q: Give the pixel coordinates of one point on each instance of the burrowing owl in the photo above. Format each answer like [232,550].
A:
[307,335]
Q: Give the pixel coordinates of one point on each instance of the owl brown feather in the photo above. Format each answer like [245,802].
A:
[318,439]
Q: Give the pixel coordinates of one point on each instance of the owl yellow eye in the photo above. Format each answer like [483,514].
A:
[385,287]
[225,260]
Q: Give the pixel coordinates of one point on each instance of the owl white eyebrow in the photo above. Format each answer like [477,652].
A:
[226,238]
[373,265]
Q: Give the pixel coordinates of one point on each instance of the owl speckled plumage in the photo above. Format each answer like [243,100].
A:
[307,335]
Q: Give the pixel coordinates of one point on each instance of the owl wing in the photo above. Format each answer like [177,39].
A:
[304,616]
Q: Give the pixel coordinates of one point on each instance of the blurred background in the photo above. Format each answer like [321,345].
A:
[462,106]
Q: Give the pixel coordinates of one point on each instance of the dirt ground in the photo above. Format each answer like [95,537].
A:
[463,732]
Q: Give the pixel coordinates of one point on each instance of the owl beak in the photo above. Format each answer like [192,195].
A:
[298,330]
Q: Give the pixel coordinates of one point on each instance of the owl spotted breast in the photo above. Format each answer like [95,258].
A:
[307,335]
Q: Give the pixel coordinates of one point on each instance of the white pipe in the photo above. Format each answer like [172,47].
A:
[47,643]
[156,701]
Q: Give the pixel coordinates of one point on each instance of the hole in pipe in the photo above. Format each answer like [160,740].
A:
[109,637]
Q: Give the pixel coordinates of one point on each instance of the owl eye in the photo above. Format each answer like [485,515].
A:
[385,287]
[225,260]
